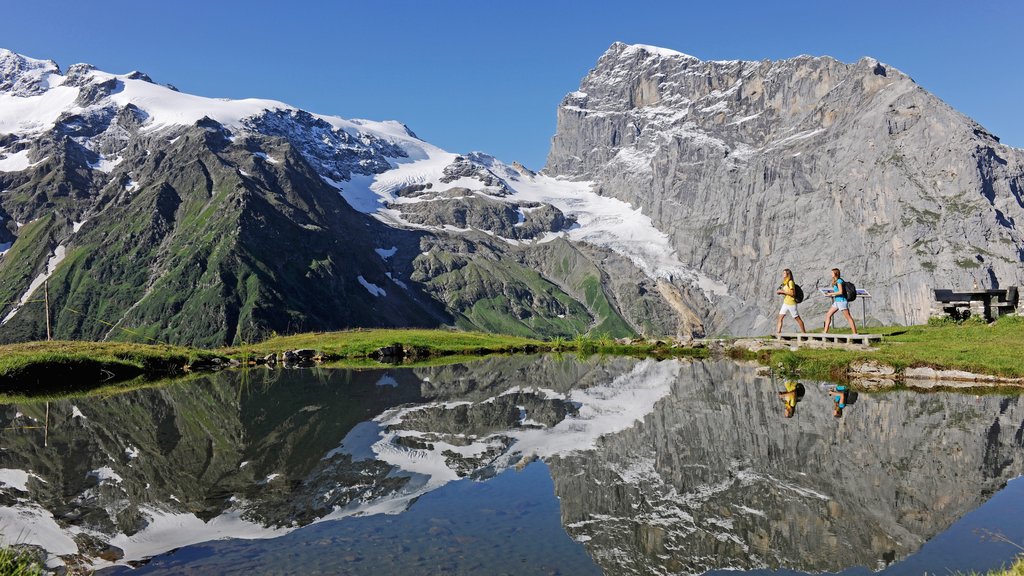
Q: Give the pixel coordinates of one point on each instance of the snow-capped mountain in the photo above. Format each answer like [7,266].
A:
[207,220]
[675,192]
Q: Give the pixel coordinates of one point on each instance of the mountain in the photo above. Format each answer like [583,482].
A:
[807,163]
[674,193]
[152,214]
[660,467]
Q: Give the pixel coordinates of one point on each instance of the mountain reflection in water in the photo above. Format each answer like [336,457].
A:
[659,467]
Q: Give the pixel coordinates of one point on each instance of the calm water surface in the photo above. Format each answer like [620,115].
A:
[525,465]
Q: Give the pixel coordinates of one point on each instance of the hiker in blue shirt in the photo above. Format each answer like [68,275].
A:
[838,303]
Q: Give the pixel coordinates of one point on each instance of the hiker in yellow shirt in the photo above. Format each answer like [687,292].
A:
[788,289]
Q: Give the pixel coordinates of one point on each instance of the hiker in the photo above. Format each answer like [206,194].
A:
[788,289]
[790,396]
[838,303]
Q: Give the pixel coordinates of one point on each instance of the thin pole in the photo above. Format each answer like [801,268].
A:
[46,297]
[46,426]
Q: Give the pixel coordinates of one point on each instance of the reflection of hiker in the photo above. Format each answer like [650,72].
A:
[839,401]
[839,302]
[788,289]
[841,398]
[790,396]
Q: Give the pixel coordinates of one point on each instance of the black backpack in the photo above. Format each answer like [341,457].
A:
[798,293]
[849,291]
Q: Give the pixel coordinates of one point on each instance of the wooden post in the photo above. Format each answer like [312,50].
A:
[46,425]
[46,302]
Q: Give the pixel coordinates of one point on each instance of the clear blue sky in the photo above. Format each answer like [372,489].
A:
[489,75]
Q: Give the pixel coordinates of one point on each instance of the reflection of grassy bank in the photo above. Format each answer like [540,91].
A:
[993,349]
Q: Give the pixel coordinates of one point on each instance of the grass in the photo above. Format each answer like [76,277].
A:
[360,343]
[972,346]
[18,563]
[42,367]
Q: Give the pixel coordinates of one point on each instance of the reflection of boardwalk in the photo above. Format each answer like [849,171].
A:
[833,338]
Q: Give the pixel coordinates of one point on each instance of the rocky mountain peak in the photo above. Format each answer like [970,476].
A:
[23,76]
[810,162]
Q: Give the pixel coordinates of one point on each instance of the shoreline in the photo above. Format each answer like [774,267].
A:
[968,356]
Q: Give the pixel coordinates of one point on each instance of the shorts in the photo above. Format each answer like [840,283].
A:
[841,305]
[791,309]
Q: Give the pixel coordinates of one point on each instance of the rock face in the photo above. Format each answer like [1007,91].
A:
[808,164]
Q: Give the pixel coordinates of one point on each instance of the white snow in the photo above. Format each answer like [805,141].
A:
[387,380]
[744,119]
[106,474]
[105,164]
[604,409]
[34,114]
[51,265]
[169,530]
[76,226]
[76,413]
[17,479]
[264,156]
[371,287]
[26,523]
[386,253]
[655,50]
[131,452]
[401,284]
[602,221]
[716,107]
[15,162]
[5,246]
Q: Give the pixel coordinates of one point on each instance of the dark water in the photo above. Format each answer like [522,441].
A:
[526,465]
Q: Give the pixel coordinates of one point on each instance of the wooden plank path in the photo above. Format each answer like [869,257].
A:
[832,338]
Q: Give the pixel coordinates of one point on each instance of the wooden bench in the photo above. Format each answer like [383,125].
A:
[830,338]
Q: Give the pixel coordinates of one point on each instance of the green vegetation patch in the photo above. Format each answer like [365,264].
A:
[360,343]
[46,367]
[971,346]
[14,562]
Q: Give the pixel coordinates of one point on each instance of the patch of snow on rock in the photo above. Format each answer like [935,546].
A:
[371,287]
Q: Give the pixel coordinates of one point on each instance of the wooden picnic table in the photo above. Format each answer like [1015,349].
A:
[991,302]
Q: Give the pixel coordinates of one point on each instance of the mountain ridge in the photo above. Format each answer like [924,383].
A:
[674,190]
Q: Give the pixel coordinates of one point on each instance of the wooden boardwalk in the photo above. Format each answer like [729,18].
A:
[831,338]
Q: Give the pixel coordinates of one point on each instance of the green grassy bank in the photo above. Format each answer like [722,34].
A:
[994,349]
[360,343]
[43,367]
[59,367]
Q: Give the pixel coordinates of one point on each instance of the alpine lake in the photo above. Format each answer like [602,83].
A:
[541,464]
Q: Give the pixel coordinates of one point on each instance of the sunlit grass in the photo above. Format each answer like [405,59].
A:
[17,563]
[360,343]
[994,349]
